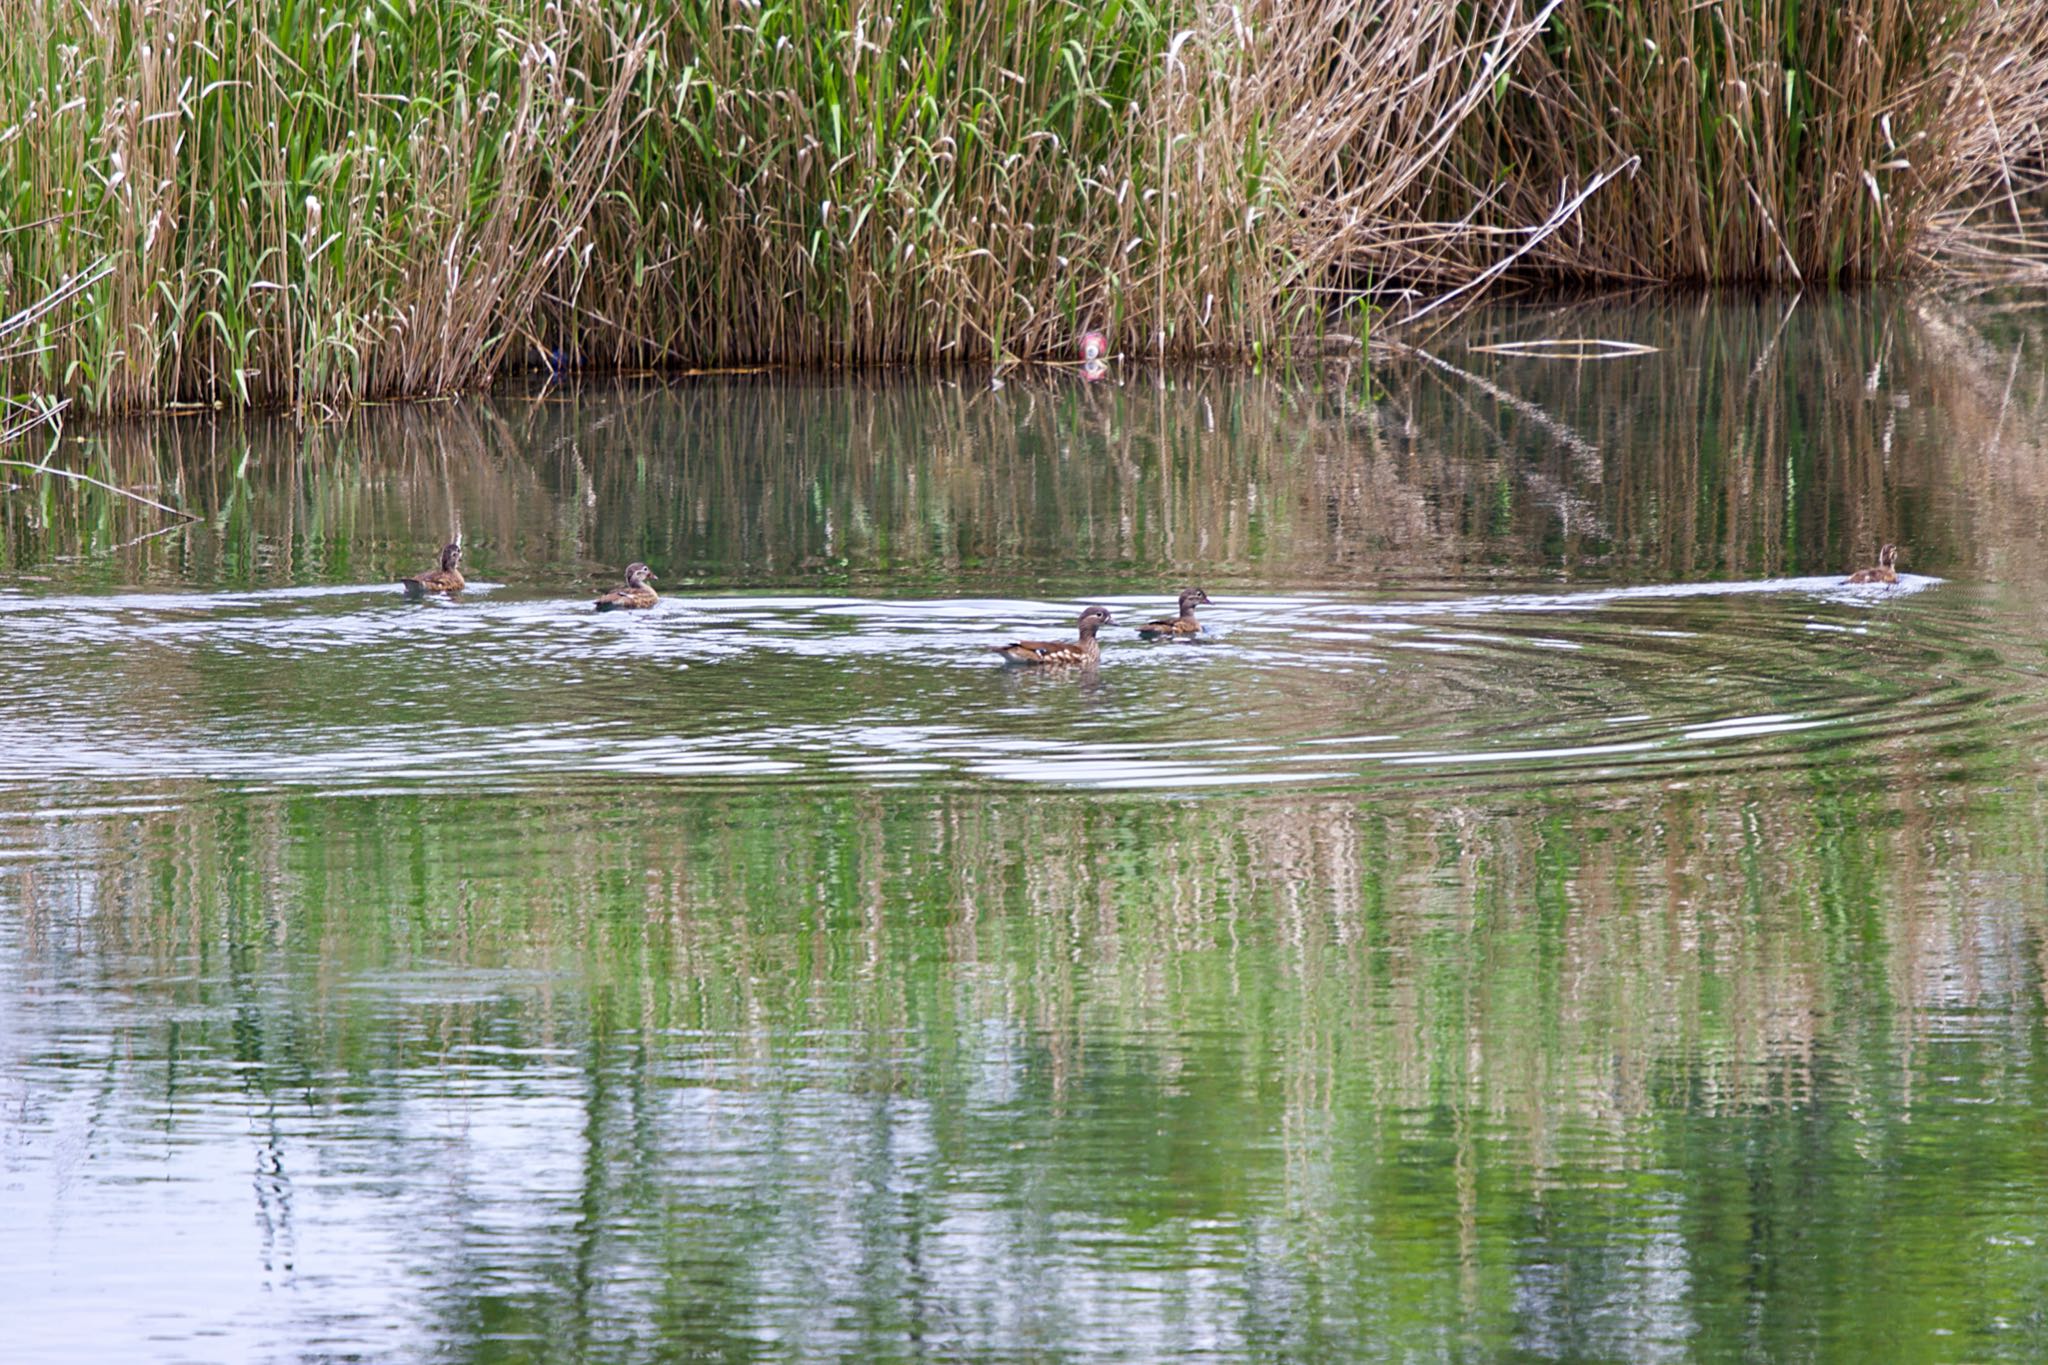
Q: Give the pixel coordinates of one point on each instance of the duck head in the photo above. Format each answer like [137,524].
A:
[1094,619]
[451,555]
[1192,598]
[638,575]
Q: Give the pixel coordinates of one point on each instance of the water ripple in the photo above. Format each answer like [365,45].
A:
[342,687]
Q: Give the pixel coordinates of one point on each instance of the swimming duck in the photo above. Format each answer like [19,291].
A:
[447,578]
[633,593]
[1062,652]
[1182,627]
[1887,570]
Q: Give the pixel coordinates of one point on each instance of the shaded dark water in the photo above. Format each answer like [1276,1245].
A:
[1549,917]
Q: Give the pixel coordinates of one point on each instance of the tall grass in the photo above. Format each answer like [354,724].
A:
[25,333]
[828,182]
[1779,141]
[304,204]
[309,204]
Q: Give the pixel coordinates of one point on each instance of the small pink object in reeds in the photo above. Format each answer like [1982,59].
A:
[1094,346]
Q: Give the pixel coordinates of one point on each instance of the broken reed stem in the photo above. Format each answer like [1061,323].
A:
[72,474]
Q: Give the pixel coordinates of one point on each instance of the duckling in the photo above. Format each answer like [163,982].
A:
[1060,652]
[446,579]
[1183,627]
[633,593]
[1887,570]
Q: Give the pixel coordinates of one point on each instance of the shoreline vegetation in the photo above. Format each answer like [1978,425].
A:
[1762,452]
[299,205]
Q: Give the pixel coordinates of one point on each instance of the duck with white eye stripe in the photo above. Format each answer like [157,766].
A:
[1181,627]
[633,594]
[1082,652]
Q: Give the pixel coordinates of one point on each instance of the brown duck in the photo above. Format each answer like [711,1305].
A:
[1181,627]
[1060,652]
[447,578]
[1887,570]
[633,594]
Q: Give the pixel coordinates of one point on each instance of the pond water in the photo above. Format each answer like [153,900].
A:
[1548,916]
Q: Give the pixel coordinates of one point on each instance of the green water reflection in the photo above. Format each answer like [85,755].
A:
[1433,1025]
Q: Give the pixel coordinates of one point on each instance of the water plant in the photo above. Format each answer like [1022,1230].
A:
[308,204]
[1779,142]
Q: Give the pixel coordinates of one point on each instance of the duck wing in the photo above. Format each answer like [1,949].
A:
[433,580]
[626,598]
[1178,625]
[1037,651]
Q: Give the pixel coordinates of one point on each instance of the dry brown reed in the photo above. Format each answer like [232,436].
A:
[307,208]
[1778,142]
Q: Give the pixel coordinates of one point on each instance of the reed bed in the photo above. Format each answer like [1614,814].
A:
[308,205]
[1780,142]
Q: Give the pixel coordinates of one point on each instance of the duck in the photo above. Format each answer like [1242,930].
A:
[1887,570]
[633,594]
[446,579]
[1182,627]
[1083,651]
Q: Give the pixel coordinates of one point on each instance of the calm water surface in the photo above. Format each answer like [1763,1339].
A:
[1549,917]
